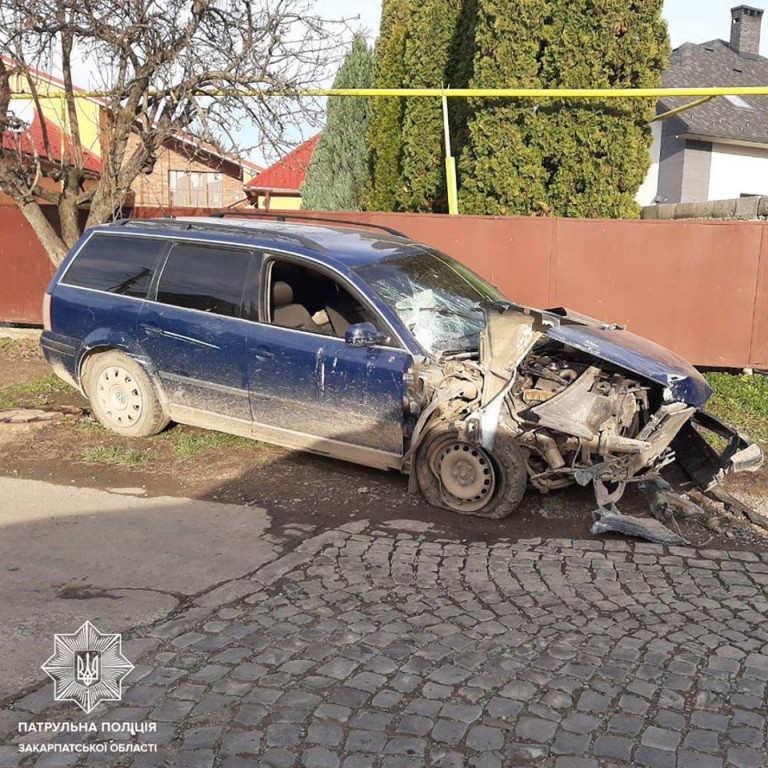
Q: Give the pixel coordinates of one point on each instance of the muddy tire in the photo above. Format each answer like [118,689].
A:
[122,396]
[465,478]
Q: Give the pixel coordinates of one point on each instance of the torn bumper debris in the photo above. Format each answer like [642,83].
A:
[706,468]
[640,527]
[702,463]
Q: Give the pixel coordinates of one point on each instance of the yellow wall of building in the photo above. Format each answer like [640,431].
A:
[88,111]
[280,203]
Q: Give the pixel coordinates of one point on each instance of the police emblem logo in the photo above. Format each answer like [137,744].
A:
[87,667]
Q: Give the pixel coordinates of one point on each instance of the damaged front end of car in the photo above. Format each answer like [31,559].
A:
[583,402]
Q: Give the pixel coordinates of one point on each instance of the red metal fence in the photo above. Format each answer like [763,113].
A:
[24,269]
[700,288]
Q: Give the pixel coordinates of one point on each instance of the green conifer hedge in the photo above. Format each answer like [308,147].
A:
[337,174]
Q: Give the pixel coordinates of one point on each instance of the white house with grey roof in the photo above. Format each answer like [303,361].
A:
[718,150]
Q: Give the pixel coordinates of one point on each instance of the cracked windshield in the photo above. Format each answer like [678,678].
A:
[436,298]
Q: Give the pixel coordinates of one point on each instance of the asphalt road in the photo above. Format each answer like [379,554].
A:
[70,554]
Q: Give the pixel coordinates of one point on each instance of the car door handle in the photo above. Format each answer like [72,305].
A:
[263,354]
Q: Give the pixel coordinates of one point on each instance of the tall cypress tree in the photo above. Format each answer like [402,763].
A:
[385,134]
[430,59]
[573,158]
[500,169]
[597,152]
[336,176]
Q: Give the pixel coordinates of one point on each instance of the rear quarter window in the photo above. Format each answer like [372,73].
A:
[116,264]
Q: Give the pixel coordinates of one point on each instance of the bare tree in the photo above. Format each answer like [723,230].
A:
[161,66]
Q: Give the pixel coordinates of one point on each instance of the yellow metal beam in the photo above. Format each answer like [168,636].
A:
[545,93]
[457,93]
[684,108]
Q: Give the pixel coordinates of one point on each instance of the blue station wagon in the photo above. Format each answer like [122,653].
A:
[364,345]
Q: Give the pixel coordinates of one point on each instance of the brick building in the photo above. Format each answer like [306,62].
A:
[187,172]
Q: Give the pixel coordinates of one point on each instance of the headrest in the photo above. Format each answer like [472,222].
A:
[282,294]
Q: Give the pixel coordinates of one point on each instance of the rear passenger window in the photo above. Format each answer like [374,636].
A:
[208,278]
[117,264]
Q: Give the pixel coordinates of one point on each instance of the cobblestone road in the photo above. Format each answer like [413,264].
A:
[373,647]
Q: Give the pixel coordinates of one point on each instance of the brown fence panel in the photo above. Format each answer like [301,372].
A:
[688,286]
[515,258]
[758,357]
[25,269]
[699,288]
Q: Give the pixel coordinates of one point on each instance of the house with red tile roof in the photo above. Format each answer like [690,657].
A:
[279,186]
[187,171]
[32,141]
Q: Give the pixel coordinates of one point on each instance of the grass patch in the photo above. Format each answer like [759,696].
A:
[89,426]
[110,454]
[184,441]
[20,349]
[32,393]
[187,444]
[742,401]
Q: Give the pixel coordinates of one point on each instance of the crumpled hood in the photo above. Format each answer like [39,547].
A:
[638,355]
[512,329]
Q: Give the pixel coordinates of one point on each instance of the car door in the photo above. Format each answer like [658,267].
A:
[331,393]
[194,336]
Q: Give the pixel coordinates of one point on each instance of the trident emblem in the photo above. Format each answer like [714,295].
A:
[87,667]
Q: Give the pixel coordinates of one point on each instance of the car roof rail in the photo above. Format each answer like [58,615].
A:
[283,217]
[166,221]
[170,222]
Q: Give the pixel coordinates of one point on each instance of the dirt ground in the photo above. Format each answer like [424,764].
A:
[297,488]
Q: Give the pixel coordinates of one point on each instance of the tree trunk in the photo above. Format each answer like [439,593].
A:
[46,234]
[69,219]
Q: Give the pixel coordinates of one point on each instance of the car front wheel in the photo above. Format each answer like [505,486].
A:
[467,479]
[123,397]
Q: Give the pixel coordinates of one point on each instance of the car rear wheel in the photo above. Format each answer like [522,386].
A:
[123,397]
[467,479]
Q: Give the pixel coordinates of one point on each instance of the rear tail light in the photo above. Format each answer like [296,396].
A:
[47,312]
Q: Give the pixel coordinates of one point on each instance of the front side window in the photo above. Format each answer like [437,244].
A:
[196,189]
[205,277]
[116,264]
[435,297]
[304,299]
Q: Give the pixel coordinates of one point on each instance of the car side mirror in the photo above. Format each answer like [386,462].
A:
[364,335]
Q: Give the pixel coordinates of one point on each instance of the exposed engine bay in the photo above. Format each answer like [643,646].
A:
[552,399]
[584,423]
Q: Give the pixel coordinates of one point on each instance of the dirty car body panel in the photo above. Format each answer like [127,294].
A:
[302,382]
[379,350]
